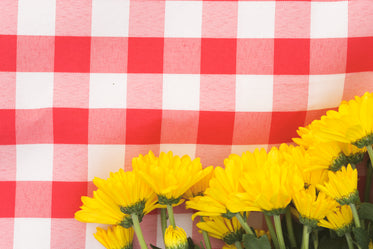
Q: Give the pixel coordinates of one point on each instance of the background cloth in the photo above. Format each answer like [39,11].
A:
[85,85]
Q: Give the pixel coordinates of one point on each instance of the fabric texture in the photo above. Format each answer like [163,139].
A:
[86,85]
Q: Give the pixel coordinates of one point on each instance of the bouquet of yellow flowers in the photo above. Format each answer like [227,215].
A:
[307,192]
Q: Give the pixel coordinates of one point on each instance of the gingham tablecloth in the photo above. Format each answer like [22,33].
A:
[85,85]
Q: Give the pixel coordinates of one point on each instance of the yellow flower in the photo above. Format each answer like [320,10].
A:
[269,187]
[307,138]
[117,197]
[353,123]
[370,245]
[299,156]
[221,188]
[353,154]
[175,238]
[327,156]
[128,191]
[169,176]
[228,230]
[342,185]
[199,188]
[206,206]
[313,207]
[116,237]
[101,209]
[341,220]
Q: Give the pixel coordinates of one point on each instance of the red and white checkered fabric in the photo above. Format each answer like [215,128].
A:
[85,85]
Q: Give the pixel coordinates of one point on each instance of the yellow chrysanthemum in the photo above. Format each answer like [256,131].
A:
[129,191]
[307,138]
[168,175]
[353,154]
[268,188]
[313,207]
[342,185]
[327,156]
[352,123]
[222,186]
[117,197]
[340,220]
[206,206]
[200,187]
[175,238]
[228,230]
[101,209]
[116,237]
[299,156]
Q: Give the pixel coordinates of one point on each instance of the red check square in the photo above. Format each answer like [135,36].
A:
[143,126]
[8,51]
[7,198]
[72,54]
[292,56]
[359,54]
[8,126]
[70,125]
[218,56]
[145,55]
[215,127]
[284,126]
[66,198]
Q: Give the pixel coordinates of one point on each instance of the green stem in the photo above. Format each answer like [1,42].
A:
[272,231]
[289,225]
[171,216]
[206,238]
[278,227]
[244,224]
[163,221]
[315,236]
[137,228]
[306,237]
[355,215]
[238,244]
[370,153]
[368,183]
[349,240]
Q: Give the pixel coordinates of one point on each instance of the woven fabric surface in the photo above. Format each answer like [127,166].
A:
[86,85]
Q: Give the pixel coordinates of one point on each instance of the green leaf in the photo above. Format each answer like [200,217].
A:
[366,211]
[361,237]
[251,241]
